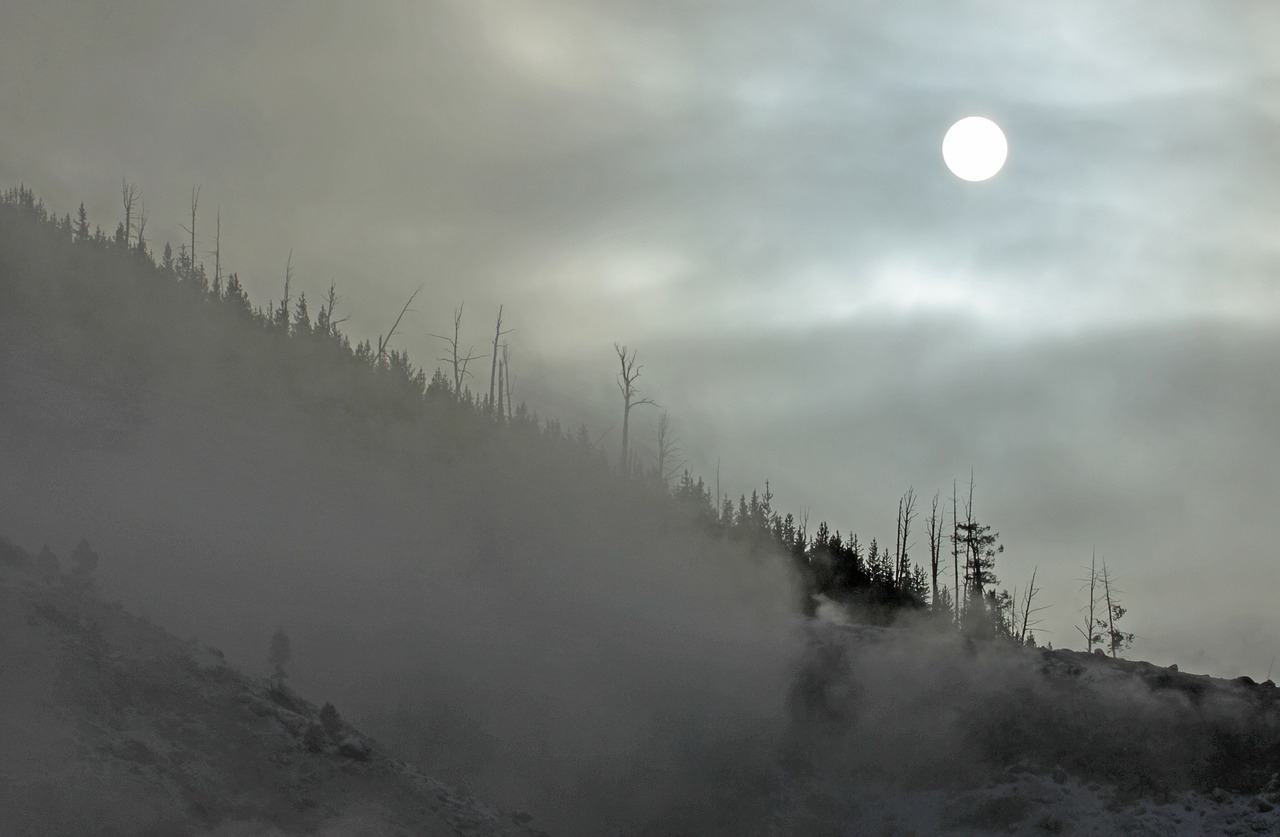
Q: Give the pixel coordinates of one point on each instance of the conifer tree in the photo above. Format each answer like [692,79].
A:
[82,224]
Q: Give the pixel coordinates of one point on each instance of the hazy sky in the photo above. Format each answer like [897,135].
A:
[753,196]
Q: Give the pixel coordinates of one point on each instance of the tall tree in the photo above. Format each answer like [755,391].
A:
[302,317]
[217,253]
[935,548]
[981,548]
[326,324]
[955,548]
[1089,631]
[195,202]
[906,514]
[667,450]
[282,313]
[82,224]
[506,376]
[129,195]
[456,358]
[493,363]
[140,243]
[383,342]
[1117,640]
[1028,610]
[627,377]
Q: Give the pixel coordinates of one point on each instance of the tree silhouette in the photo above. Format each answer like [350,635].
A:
[627,377]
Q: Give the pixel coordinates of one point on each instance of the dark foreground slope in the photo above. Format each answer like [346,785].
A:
[112,726]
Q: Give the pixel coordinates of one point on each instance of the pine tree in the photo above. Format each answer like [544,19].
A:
[82,224]
[301,318]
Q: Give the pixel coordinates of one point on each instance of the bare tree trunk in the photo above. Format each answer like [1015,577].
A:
[455,357]
[195,201]
[331,301]
[667,450]
[935,548]
[282,316]
[971,573]
[1111,625]
[627,386]
[506,373]
[493,364]
[906,513]
[383,342]
[140,243]
[1026,608]
[1090,626]
[718,500]
[502,414]
[129,195]
[955,547]
[217,254]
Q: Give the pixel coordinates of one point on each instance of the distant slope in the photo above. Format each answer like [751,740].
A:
[112,726]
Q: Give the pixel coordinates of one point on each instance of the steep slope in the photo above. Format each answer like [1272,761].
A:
[113,726]
[482,596]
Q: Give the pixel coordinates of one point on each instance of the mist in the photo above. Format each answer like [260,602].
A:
[755,203]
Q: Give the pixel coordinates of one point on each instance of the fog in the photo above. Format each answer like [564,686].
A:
[759,206]
[756,203]
[532,629]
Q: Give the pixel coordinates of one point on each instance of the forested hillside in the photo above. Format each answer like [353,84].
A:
[558,628]
[485,593]
[148,327]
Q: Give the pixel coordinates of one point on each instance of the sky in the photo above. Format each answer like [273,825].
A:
[753,198]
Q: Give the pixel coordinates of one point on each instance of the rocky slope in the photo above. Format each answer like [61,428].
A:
[112,726]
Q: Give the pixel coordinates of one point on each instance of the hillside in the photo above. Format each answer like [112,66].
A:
[508,612]
[498,607]
[113,726]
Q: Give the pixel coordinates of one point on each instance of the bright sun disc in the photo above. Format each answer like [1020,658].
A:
[974,148]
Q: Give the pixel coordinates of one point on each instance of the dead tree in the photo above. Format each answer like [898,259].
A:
[1028,610]
[906,513]
[493,363]
[141,243]
[627,377]
[383,342]
[667,450]
[217,253]
[325,320]
[1090,628]
[195,201]
[455,357]
[282,314]
[129,195]
[506,375]
[935,547]
[955,547]
[502,404]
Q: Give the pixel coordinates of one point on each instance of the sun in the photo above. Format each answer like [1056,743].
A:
[974,148]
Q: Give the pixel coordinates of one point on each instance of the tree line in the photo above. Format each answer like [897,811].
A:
[877,580]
